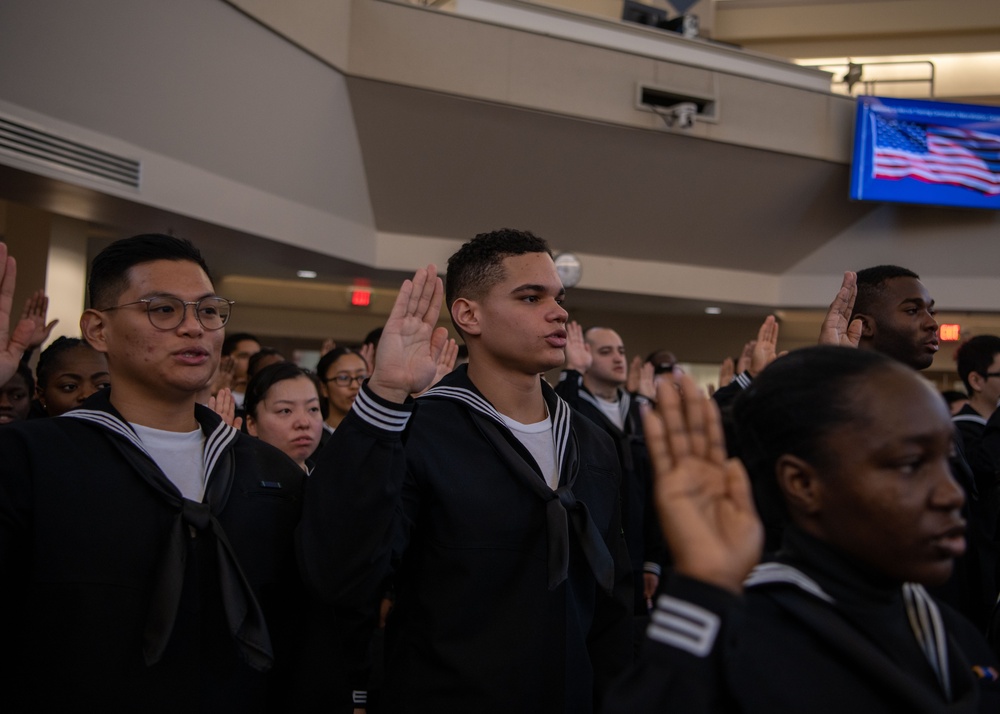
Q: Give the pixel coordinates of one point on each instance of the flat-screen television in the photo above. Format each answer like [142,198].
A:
[919,151]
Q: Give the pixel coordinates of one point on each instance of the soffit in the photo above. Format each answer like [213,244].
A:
[444,166]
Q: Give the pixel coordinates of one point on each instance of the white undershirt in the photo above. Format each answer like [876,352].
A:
[612,412]
[179,456]
[537,439]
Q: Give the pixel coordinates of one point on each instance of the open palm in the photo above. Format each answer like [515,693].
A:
[12,344]
[703,499]
[411,343]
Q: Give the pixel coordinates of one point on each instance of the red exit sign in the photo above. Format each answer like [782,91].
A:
[361,297]
[950,333]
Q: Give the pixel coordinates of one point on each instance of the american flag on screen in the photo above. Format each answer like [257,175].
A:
[937,154]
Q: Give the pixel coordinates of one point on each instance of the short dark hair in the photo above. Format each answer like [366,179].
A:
[257,357]
[109,271]
[478,265]
[662,361]
[373,337]
[788,409]
[229,344]
[871,286]
[52,357]
[261,382]
[976,355]
[953,395]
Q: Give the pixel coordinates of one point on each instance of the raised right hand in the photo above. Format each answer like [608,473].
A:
[407,356]
[703,499]
[838,329]
[12,344]
[578,356]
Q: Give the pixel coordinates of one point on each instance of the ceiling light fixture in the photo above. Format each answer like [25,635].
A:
[308,274]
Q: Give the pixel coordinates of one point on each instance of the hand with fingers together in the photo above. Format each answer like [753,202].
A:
[578,356]
[838,329]
[703,499]
[645,378]
[12,344]
[411,345]
[765,347]
[727,372]
[223,404]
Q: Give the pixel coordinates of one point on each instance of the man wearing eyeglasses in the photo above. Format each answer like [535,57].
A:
[146,547]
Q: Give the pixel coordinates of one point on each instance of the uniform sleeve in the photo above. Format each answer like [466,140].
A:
[15,512]
[724,396]
[15,554]
[682,664]
[351,519]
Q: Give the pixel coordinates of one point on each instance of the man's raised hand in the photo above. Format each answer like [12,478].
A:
[838,328]
[578,356]
[765,347]
[12,344]
[407,356]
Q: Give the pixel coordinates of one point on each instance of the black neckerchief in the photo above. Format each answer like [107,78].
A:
[561,507]
[243,614]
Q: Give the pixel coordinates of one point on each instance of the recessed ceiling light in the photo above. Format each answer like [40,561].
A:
[713,310]
[306,274]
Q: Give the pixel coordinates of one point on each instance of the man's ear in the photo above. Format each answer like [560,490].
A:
[800,484]
[976,381]
[93,327]
[465,314]
[867,325]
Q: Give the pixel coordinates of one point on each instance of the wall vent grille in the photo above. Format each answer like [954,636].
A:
[39,146]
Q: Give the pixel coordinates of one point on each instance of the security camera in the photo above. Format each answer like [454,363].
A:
[681,115]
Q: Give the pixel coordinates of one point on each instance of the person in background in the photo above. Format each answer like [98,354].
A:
[955,400]
[341,372]
[15,395]
[265,357]
[283,409]
[593,382]
[69,370]
[237,349]
[887,309]
[978,362]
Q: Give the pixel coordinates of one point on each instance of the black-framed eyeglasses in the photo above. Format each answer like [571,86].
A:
[990,374]
[167,313]
[344,380]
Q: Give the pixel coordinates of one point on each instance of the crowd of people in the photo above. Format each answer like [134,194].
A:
[190,520]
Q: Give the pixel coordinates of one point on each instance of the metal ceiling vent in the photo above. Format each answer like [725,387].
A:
[42,147]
